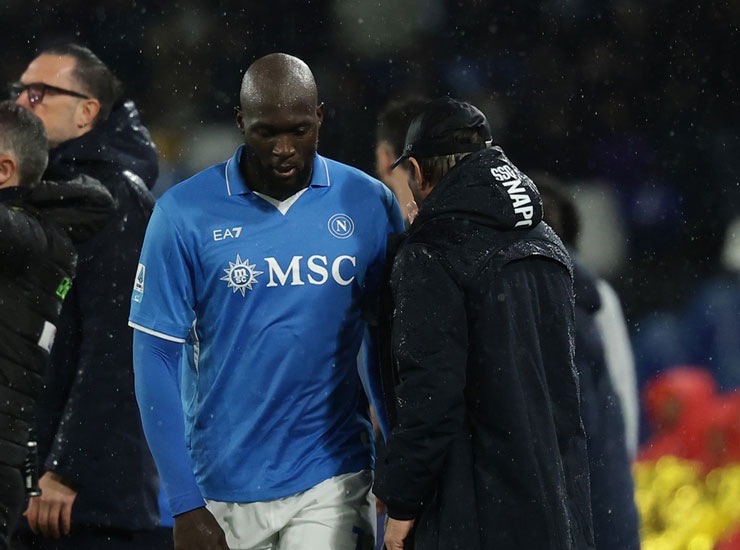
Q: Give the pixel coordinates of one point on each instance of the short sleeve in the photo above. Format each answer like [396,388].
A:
[163,295]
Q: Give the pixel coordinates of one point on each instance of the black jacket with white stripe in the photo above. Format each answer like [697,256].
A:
[37,265]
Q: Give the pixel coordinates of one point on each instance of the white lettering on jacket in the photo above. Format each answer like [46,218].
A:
[520,199]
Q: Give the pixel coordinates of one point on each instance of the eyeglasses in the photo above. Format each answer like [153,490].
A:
[37,91]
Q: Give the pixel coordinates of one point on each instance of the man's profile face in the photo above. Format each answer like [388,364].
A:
[58,112]
[281,141]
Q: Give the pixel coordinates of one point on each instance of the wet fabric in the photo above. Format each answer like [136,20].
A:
[37,265]
[279,302]
[89,429]
[488,448]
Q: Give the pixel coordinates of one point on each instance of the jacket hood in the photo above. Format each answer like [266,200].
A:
[80,206]
[122,140]
[486,188]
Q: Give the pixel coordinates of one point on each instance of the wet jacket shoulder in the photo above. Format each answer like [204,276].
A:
[37,265]
[103,455]
[488,429]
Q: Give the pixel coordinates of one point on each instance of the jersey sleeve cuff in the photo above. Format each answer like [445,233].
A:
[157,333]
[184,503]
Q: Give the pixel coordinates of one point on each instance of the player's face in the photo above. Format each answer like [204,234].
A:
[281,141]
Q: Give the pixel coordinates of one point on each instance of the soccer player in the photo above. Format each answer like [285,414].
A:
[267,265]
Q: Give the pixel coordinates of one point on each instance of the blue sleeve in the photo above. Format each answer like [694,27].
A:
[163,296]
[370,377]
[395,217]
[370,351]
[156,362]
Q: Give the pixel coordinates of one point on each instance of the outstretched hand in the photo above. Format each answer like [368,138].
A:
[198,530]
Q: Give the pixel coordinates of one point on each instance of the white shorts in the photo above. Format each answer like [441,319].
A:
[336,514]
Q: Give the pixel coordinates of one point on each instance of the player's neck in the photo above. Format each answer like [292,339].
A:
[259,181]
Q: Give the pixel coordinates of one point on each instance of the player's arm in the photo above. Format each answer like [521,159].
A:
[156,363]
[375,372]
[162,314]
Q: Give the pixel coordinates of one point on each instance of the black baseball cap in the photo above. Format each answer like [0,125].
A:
[430,131]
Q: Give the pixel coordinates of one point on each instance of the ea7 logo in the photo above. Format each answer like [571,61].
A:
[227,233]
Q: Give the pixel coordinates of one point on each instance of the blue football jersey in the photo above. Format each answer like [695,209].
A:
[272,301]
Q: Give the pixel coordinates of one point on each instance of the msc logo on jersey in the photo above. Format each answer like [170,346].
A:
[139,283]
[241,275]
[341,226]
[314,270]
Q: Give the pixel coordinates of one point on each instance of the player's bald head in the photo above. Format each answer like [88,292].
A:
[277,81]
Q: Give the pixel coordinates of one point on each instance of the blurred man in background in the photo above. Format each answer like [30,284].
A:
[393,121]
[99,483]
[616,523]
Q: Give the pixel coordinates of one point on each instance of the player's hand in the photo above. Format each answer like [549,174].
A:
[396,533]
[50,515]
[198,530]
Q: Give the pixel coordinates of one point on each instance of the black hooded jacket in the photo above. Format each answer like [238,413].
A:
[89,429]
[488,448]
[37,265]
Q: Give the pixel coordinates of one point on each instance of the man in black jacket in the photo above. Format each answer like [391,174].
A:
[99,482]
[37,265]
[487,449]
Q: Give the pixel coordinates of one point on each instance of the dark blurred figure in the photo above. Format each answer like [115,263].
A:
[487,448]
[99,484]
[710,317]
[390,134]
[615,518]
[37,265]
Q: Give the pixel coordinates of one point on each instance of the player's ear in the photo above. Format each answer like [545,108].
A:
[239,119]
[8,170]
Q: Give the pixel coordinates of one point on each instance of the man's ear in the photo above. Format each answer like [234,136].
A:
[8,171]
[383,158]
[87,111]
[320,113]
[416,170]
[239,119]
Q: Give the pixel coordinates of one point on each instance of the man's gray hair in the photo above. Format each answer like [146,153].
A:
[22,136]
